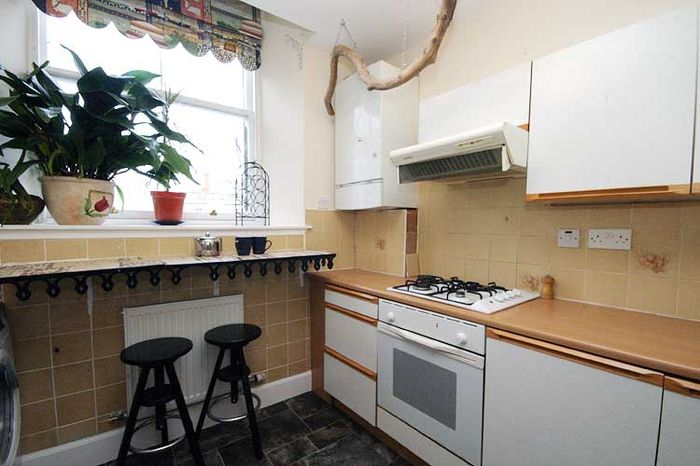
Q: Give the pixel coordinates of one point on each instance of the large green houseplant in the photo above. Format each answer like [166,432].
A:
[82,140]
[17,206]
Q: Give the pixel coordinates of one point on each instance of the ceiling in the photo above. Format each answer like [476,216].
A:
[376,25]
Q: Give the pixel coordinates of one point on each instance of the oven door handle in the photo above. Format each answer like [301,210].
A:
[449,351]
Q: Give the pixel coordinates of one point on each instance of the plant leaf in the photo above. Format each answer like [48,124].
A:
[78,61]
[141,76]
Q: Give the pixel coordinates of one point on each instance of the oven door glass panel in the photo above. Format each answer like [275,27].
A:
[438,395]
[429,388]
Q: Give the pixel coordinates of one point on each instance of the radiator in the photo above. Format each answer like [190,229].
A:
[189,319]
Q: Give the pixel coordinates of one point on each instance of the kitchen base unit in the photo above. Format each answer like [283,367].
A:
[679,439]
[415,442]
[547,405]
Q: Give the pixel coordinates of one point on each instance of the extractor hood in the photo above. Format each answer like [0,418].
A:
[492,152]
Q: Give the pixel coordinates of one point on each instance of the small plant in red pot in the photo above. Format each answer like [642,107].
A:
[168,205]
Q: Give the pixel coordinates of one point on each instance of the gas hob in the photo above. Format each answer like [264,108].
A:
[470,295]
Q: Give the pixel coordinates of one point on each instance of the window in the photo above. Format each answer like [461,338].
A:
[215,109]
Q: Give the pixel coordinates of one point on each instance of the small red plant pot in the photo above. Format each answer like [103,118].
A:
[167,206]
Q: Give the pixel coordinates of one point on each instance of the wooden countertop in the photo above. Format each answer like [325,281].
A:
[656,342]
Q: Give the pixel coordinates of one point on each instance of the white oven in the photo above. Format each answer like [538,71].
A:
[431,376]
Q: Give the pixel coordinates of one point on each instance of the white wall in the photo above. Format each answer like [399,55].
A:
[488,36]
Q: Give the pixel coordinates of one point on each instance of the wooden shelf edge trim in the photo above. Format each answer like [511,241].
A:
[349,362]
[597,362]
[695,190]
[353,314]
[683,387]
[614,193]
[353,293]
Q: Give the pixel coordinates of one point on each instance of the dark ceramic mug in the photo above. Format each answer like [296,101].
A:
[243,246]
[261,244]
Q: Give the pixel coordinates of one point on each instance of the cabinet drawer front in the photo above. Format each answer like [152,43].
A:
[353,301]
[352,337]
[352,388]
[680,424]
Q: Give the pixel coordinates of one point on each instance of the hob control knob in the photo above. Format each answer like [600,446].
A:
[499,298]
[461,339]
[510,294]
[516,292]
[390,317]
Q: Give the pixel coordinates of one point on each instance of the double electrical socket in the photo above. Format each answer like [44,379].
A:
[620,239]
[610,239]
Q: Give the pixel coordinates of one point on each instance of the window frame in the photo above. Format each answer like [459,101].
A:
[250,114]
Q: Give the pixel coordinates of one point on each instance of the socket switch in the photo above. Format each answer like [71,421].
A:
[568,238]
[620,239]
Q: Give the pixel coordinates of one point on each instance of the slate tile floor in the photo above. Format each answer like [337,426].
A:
[302,431]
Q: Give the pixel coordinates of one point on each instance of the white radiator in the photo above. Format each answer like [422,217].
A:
[189,319]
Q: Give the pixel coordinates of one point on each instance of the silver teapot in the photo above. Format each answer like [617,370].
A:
[208,245]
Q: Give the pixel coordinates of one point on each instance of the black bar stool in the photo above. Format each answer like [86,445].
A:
[232,338]
[158,355]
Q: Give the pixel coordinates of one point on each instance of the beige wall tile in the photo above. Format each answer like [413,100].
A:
[651,294]
[75,408]
[277,356]
[277,373]
[69,318]
[606,288]
[77,431]
[71,347]
[142,247]
[73,378]
[104,248]
[111,399]
[39,441]
[37,417]
[255,315]
[569,284]
[603,260]
[108,341]
[276,313]
[503,273]
[277,334]
[28,321]
[180,246]
[504,248]
[533,250]
[32,354]
[688,300]
[109,370]
[66,249]
[22,251]
[35,386]
[298,330]
[108,312]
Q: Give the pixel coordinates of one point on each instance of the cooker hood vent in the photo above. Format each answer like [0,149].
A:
[492,152]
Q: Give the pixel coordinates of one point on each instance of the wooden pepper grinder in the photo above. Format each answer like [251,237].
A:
[547,287]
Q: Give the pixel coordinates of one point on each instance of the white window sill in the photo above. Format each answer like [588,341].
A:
[138,229]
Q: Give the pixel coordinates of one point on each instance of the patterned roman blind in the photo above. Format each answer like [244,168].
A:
[229,28]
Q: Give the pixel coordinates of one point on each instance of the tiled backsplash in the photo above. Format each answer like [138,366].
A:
[485,231]
[380,240]
[68,360]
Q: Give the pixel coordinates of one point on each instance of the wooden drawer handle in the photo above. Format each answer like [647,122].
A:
[353,314]
[354,294]
[349,362]
[609,365]
[646,191]
[683,387]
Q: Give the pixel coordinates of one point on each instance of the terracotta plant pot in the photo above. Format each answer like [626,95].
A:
[16,212]
[77,201]
[167,206]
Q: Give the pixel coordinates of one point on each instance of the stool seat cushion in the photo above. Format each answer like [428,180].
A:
[156,352]
[232,335]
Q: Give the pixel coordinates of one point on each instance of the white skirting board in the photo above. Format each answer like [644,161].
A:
[101,448]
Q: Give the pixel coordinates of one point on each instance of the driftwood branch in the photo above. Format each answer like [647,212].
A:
[428,57]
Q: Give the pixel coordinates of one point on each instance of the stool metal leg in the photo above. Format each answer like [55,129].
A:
[161,421]
[251,409]
[185,416]
[133,414]
[210,391]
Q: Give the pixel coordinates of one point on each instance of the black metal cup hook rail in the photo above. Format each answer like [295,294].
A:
[152,273]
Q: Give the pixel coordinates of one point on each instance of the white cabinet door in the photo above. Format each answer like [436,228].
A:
[357,132]
[616,112]
[541,408]
[679,441]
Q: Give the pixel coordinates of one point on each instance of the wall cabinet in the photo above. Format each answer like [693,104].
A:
[680,424]
[368,125]
[350,359]
[613,117]
[547,405]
